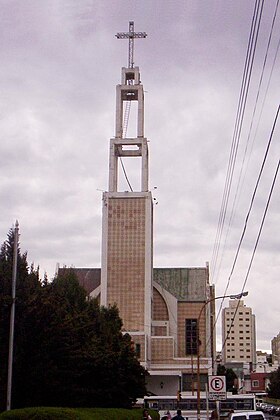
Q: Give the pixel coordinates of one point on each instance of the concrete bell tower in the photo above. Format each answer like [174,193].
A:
[127,224]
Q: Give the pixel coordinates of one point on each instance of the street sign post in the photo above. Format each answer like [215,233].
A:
[217,388]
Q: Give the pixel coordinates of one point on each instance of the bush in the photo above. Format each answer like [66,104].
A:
[54,413]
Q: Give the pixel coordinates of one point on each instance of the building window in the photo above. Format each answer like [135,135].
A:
[191,336]
[189,382]
[255,384]
[138,350]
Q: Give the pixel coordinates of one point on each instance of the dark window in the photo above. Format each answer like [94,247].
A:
[191,336]
[190,382]
[138,350]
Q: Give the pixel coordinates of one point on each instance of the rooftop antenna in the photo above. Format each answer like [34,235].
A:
[131,35]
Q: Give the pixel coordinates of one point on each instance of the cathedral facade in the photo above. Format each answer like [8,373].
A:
[165,310]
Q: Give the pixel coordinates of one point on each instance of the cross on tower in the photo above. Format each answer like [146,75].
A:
[131,35]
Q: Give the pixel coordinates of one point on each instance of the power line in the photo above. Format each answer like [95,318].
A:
[251,124]
[250,209]
[255,247]
[251,48]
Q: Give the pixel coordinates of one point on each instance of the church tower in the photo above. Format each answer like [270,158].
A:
[127,225]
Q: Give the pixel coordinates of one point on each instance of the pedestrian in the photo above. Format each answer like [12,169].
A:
[178,416]
[214,414]
[168,415]
[146,415]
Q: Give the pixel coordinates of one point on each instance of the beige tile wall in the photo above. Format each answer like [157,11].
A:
[162,350]
[126,259]
[160,312]
[190,310]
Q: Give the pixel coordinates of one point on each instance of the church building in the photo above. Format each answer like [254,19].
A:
[165,310]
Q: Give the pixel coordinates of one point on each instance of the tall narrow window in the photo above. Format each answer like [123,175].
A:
[191,336]
[138,350]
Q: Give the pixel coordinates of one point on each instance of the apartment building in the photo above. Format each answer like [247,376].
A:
[239,334]
[275,347]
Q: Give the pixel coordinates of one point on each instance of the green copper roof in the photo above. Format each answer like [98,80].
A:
[186,284]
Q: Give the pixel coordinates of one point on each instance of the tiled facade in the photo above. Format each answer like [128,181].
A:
[190,310]
[160,311]
[126,259]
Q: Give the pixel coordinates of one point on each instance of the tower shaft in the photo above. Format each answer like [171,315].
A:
[126,273]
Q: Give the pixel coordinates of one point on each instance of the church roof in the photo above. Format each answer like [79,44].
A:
[186,284]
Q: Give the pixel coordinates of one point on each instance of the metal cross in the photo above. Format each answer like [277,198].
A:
[131,35]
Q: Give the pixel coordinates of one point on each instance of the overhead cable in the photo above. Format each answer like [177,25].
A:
[249,210]
[254,31]
[254,250]
[250,130]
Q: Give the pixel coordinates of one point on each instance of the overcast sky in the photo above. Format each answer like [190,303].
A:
[60,63]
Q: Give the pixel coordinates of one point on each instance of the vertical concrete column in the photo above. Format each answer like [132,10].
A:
[113,167]
[104,254]
[140,122]
[119,111]
[145,166]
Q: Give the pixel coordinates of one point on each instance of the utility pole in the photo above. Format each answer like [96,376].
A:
[131,35]
[12,317]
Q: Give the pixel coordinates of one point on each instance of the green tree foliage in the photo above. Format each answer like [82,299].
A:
[230,377]
[69,351]
[26,287]
[274,385]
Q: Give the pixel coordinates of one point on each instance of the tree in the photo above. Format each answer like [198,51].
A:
[230,377]
[274,385]
[69,351]
[26,285]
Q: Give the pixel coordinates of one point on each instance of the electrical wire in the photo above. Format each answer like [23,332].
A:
[255,248]
[249,210]
[246,79]
[250,130]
